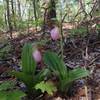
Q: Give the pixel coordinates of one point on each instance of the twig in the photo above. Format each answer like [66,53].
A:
[93,60]
[86,92]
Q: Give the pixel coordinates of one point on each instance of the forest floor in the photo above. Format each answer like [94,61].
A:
[78,51]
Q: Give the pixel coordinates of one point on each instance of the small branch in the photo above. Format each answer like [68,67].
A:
[93,60]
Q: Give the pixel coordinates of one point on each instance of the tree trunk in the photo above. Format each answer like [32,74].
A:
[13,13]
[8,18]
[19,10]
[35,14]
[51,14]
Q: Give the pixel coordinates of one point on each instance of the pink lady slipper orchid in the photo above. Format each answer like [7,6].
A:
[37,55]
[55,33]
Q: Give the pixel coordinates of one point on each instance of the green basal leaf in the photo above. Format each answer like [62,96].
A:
[3,95]
[55,64]
[15,95]
[46,87]
[27,79]
[7,85]
[77,74]
[41,76]
[28,63]
[11,95]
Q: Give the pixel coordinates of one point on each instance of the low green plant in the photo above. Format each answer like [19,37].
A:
[8,91]
[7,85]
[82,31]
[35,81]
[22,25]
[98,26]
[48,87]
[66,77]
[28,74]
[4,51]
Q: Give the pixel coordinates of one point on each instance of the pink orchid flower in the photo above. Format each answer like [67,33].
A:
[37,56]
[55,33]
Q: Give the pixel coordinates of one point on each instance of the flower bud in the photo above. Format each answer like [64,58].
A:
[37,56]
[55,33]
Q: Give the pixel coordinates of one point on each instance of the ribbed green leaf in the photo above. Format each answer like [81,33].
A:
[27,79]
[15,95]
[11,95]
[55,64]
[7,85]
[77,74]
[28,63]
[40,76]
[3,95]
[72,76]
